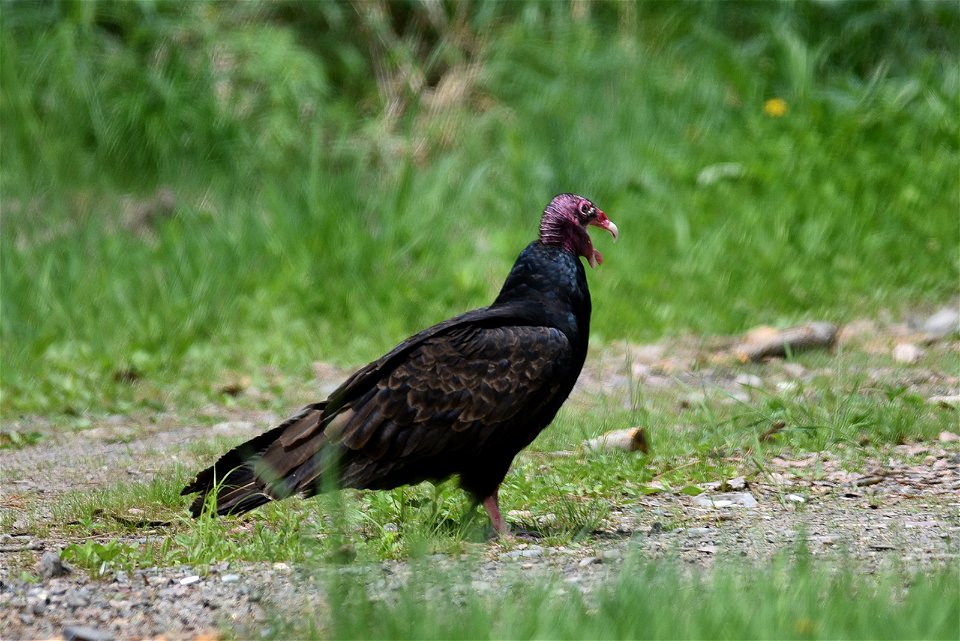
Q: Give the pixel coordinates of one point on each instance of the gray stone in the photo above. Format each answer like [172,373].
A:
[907,353]
[533,552]
[726,499]
[748,380]
[78,598]
[52,566]
[85,633]
[942,323]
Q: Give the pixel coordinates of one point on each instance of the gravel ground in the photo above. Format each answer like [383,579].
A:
[918,529]
[898,512]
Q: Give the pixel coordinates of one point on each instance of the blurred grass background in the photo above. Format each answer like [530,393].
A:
[192,189]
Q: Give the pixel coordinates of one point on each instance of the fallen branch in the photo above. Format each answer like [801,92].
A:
[766,342]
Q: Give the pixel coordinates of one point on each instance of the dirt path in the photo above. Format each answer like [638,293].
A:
[903,507]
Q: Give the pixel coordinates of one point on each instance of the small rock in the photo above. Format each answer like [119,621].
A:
[190,580]
[281,567]
[787,386]
[948,437]
[748,380]
[52,566]
[795,498]
[78,598]
[590,560]
[696,532]
[943,323]
[707,549]
[951,400]
[728,499]
[229,578]
[85,633]
[391,527]
[907,353]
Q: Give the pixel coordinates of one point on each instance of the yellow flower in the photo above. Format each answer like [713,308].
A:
[775,107]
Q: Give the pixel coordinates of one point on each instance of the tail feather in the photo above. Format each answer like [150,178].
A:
[243,478]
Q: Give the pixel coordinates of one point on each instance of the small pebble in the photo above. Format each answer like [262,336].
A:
[590,560]
[85,633]
[943,323]
[795,498]
[229,578]
[52,566]
[190,580]
[907,353]
[78,598]
[749,380]
[726,499]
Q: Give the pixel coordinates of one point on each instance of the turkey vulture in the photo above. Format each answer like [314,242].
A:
[460,398]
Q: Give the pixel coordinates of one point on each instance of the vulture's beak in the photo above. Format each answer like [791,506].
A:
[603,222]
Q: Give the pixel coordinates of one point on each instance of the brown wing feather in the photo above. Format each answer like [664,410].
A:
[452,396]
[407,417]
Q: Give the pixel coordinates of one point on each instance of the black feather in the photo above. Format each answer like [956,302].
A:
[460,398]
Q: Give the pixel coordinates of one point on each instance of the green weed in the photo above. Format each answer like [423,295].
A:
[213,191]
[796,599]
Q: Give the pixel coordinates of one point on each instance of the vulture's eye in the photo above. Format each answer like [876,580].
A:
[585,208]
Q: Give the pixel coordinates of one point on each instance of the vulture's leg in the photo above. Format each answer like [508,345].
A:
[492,506]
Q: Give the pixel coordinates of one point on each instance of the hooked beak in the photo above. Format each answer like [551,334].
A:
[603,222]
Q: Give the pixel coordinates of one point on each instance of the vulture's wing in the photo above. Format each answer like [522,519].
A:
[440,395]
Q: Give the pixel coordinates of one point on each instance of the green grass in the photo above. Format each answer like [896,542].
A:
[324,206]
[797,599]
[566,497]
[306,227]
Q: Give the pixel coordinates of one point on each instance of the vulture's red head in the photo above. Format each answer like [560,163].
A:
[565,222]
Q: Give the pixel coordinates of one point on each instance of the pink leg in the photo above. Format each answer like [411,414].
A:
[492,506]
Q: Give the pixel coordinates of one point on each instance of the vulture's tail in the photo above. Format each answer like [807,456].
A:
[264,468]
